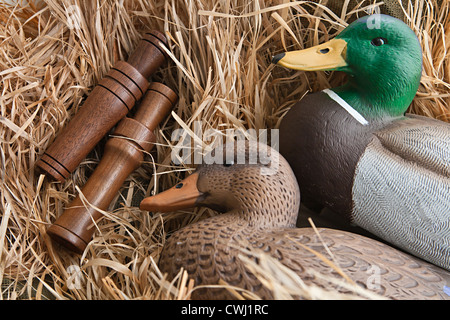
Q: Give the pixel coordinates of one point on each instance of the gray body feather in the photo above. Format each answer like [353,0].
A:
[403,181]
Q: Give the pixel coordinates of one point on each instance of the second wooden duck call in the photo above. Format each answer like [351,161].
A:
[123,153]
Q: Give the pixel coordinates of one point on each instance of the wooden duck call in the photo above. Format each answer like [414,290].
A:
[108,102]
[123,153]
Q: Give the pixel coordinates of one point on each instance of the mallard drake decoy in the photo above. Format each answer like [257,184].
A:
[354,150]
[261,204]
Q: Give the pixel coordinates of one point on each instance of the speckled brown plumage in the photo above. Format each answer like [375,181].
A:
[261,210]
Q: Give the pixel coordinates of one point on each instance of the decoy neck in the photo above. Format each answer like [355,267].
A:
[382,57]
[260,190]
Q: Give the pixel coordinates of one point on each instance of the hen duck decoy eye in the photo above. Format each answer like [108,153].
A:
[228,164]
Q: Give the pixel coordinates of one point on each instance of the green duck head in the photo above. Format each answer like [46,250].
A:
[382,57]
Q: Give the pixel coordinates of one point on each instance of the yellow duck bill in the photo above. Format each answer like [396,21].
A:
[183,195]
[326,56]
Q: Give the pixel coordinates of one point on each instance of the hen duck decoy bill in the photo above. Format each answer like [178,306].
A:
[355,150]
[260,204]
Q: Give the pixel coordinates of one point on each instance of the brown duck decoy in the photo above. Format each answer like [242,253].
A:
[261,202]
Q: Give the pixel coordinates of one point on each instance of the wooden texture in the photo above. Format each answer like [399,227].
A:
[109,101]
[123,154]
[149,54]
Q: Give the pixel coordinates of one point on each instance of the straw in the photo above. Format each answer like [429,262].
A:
[53,53]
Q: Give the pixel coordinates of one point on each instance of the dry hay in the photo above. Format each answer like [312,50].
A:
[52,53]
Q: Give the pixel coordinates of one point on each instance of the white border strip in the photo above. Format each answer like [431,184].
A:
[355,114]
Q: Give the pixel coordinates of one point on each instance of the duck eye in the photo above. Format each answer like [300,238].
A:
[379,41]
[229,164]
[179,186]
